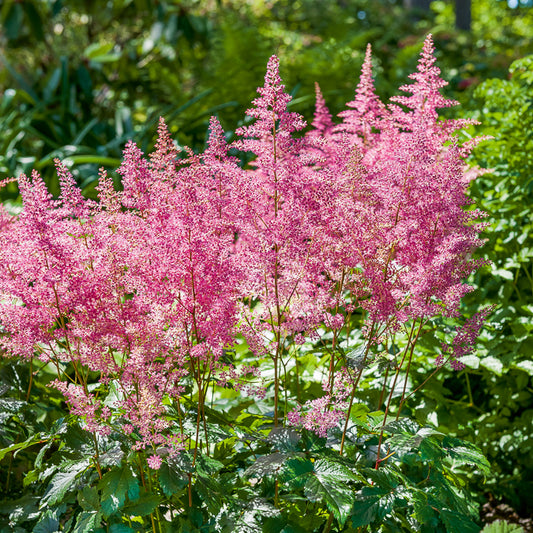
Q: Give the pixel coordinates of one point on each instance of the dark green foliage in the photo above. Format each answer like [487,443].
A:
[496,388]
[266,479]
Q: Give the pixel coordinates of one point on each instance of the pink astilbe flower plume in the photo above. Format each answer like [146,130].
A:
[464,342]
[322,123]
[426,97]
[320,140]
[367,113]
[278,238]
[132,288]
[422,235]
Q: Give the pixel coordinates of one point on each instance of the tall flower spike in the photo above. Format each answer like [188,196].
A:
[425,96]
[136,178]
[366,110]
[163,159]
[217,141]
[73,201]
[322,123]
[320,140]
[268,109]
[284,202]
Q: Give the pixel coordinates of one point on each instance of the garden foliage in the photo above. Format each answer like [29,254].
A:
[498,409]
[219,331]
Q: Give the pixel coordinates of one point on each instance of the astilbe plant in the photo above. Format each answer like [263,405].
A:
[337,241]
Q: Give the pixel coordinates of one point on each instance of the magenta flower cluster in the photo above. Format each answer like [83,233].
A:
[147,287]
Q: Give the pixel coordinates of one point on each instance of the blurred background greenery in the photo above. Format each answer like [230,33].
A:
[79,78]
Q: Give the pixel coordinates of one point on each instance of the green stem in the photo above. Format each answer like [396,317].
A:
[403,398]
[384,387]
[354,388]
[31,381]
[393,387]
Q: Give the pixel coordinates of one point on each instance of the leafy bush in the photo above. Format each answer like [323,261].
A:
[501,399]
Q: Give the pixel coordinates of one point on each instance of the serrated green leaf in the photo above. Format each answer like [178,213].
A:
[143,506]
[296,471]
[87,522]
[171,478]
[211,492]
[284,439]
[328,483]
[423,511]
[446,493]
[385,477]
[49,522]
[89,499]
[371,505]
[431,450]
[111,457]
[62,483]
[207,465]
[266,465]
[114,486]
[458,523]
[472,456]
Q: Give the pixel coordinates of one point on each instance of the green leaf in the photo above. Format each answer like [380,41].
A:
[49,522]
[101,53]
[266,465]
[34,439]
[470,455]
[89,499]
[211,492]
[143,506]
[424,512]
[207,465]
[499,526]
[35,20]
[458,523]
[22,509]
[114,486]
[328,483]
[526,366]
[431,450]
[13,21]
[284,439]
[120,528]
[95,159]
[62,483]
[87,522]
[296,471]
[371,505]
[492,364]
[171,478]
